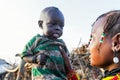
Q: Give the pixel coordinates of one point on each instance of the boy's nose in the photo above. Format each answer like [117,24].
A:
[57,27]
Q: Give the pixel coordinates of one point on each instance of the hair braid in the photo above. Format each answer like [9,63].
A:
[112,25]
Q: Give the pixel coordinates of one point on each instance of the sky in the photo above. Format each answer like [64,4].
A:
[19,22]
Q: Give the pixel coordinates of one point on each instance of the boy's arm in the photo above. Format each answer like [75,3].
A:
[38,58]
[30,58]
[28,55]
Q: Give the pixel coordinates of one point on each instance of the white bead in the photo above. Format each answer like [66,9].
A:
[115,60]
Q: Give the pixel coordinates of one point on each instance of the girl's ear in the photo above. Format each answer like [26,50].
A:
[40,23]
[116,42]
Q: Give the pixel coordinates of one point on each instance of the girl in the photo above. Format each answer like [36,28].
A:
[105,44]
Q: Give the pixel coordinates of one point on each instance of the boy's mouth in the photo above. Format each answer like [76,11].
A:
[56,35]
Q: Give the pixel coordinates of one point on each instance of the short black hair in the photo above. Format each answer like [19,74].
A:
[49,10]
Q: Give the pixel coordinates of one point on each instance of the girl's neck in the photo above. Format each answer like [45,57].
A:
[112,67]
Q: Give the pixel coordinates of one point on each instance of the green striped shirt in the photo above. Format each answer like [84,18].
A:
[54,68]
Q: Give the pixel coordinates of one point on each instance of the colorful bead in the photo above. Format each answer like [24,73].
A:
[115,78]
[102,37]
[90,39]
[72,75]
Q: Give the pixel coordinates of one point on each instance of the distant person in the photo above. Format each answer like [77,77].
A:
[47,52]
[105,44]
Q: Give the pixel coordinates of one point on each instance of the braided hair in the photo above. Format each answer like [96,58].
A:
[112,25]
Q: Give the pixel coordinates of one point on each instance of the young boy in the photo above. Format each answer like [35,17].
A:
[44,51]
[105,44]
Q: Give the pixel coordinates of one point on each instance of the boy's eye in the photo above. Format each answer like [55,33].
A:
[51,23]
[62,25]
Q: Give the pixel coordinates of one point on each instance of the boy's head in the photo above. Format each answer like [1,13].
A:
[51,22]
[105,40]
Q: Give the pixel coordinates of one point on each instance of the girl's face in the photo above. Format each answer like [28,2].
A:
[100,53]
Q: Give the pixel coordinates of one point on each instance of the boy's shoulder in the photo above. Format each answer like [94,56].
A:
[35,39]
[37,36]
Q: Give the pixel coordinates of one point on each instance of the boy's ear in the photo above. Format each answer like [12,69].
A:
[116,42]
[40,23]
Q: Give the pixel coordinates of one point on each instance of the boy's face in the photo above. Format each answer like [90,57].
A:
[53,24]
[101,53]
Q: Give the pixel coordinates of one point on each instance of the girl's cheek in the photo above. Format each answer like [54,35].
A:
[91,44]
[93,47]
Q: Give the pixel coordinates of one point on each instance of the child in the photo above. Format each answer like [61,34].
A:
[105,44]
[46,51]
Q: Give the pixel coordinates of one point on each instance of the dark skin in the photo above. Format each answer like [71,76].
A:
[52,24]
[102,56]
